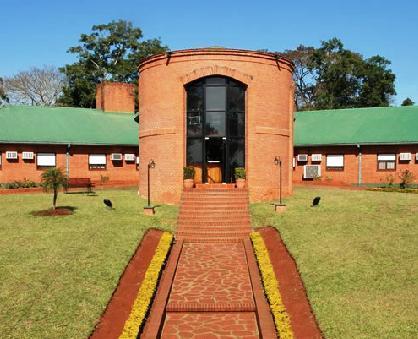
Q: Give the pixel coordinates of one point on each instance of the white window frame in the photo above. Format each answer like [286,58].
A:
[335,161]
[129,157]
[44,155]
[97,161]
[387,161]
[28,155]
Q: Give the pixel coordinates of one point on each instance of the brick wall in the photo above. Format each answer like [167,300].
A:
[369,170]
[124,173]
[115,97]
[269,117]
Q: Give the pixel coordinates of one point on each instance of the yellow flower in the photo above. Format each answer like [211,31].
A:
[147,289]
[271,287]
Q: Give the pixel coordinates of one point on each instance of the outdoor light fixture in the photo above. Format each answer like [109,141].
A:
[279,207]
[149,210]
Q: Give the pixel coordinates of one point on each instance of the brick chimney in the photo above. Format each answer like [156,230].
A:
[115,97]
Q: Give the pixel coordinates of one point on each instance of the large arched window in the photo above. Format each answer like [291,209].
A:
[215,128]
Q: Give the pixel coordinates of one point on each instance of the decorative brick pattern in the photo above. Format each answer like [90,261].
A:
[216,290]
[210,325]
[269,117]
[215,275]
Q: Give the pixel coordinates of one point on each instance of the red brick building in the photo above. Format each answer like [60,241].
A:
[216,109]
[358,146]
[85,143]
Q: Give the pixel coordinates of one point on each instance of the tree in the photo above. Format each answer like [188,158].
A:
[377,83]
[112,52]
[407,102]
[332,76]
[3,96]
[302,76]
[37,86]
[53,178]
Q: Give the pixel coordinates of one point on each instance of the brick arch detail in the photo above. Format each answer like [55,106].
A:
[216,70]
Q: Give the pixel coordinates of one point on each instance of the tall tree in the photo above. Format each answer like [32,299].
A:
[303,76]
[110,52]
[407,102]
[332,76]
[37,86]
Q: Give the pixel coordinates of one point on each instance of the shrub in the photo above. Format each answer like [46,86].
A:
[407,178]
[239,173]
[188,172]
[390,179]
[104,179]
[53,178]
[19,184]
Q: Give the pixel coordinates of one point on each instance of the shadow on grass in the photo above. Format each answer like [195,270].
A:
[59,211]
[91,194]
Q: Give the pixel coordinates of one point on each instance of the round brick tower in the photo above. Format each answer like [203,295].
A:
[192,105]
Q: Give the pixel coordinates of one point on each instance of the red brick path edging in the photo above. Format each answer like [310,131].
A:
[211,287]
[117,311]
[291,287]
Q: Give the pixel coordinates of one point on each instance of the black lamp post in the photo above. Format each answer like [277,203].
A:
[280,205]
[149,210]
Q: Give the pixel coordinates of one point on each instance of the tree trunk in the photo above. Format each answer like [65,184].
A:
[54,201]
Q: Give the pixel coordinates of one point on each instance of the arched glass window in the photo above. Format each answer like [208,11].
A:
[215,128]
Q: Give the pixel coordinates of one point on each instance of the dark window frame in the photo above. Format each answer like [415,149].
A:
[228,83]
[385,162]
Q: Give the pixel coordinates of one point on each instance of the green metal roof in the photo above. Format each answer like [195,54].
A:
[66,125]
[377,125]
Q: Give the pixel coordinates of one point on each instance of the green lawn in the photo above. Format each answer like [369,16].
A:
[58,273]
[358,256]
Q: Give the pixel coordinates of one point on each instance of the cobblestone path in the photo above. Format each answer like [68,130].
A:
[211,287]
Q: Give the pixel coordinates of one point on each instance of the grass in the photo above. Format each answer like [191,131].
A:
[58,273]
[358,257]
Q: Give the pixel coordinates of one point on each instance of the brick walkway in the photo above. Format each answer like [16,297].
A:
[211,287]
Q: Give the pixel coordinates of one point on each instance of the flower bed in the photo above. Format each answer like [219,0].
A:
[147,289]
[129,304]
[271,287]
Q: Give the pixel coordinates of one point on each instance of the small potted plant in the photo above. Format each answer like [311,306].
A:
[188,177]
[240,177]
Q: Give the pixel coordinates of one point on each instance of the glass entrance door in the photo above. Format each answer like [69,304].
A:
[215,128]
[215,160]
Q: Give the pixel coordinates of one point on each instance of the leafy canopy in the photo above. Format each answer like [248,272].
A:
[332,76]
[53,179]
[112,52]
[408,102]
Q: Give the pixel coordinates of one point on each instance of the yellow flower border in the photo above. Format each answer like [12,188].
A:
[271,287]
[147,289]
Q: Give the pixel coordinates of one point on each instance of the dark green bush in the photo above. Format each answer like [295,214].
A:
[188,172]
[239,173]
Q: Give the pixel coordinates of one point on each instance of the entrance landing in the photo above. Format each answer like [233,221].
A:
[215,186]
[211,287]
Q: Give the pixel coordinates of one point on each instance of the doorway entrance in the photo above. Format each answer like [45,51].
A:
[215,128]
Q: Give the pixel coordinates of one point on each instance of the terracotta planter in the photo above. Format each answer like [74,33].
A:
[188,183]
[240,183]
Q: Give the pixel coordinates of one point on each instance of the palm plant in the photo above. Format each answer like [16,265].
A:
[53,179]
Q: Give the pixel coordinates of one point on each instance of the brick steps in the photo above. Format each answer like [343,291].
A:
[215,289]
[214,228]
[203,223]
[215,234]
[215,214]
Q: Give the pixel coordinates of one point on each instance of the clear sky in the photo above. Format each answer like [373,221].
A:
[36,33]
